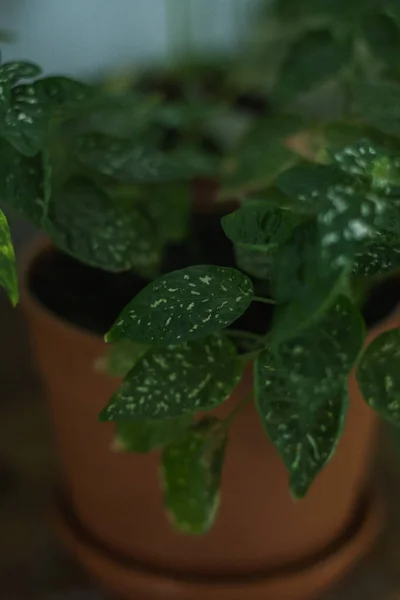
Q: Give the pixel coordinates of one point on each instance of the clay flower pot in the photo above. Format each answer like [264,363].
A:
[263,546]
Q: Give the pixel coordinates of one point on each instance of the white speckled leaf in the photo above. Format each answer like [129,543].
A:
[24,183]
[300,391]
[191,476]
[133,162]
[308,183]
[349,219]
[184,305]
[12,72]
[8,272]
[84,222]
[377,259]
[177,380]
[24,123]
[142,437]
[303,285]
[378,375]
[370,160]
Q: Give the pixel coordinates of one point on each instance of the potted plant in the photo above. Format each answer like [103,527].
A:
[260,322]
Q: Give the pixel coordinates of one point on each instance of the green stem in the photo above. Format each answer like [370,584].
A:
[238,409]
[263,300]
[250,356]
[246,335]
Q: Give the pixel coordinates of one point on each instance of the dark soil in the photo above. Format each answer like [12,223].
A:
[381,301]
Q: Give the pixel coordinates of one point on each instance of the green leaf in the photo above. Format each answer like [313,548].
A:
[312,60]
[260,155]
[121,357]
[168,205]
[254,262]
[24,122]
[300,391]
[12,72]
[62,94]
[177,380]
[377,259]
[184,305]
[383,37]
[257,225]
[308,183]
[142,437]
[367,159]
[120,116]
[8,271]
[337,135]
[84,222]
[303,285]
[131,162]
[378,104]
[378,375]
[191,476]
[349,220]
[24,183]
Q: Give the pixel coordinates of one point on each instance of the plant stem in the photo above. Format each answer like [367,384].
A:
[246,335]
[263,300]
[238,409]
[250,355]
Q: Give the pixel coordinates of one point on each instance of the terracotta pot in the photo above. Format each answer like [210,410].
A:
[263,546]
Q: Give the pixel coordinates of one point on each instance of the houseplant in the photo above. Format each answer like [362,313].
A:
[316,239]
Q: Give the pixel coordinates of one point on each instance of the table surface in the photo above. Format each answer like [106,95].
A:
[32,563]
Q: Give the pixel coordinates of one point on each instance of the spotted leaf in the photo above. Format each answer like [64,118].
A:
[191,476]
[142,437]
[8,272]
[60,94]
[12,72]
[24,183]
[367,159]
[303,285]
[378,375]
[132,162]
[309,183]
[25,110]
[377,259]
[177,380]
[258,226]
[24,122]
[84,222]
[184,305]
[300,391]
[349,220]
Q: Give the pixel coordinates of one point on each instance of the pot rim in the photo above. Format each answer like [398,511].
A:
[40,244]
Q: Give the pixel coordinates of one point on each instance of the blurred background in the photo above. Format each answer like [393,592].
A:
[90,38]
